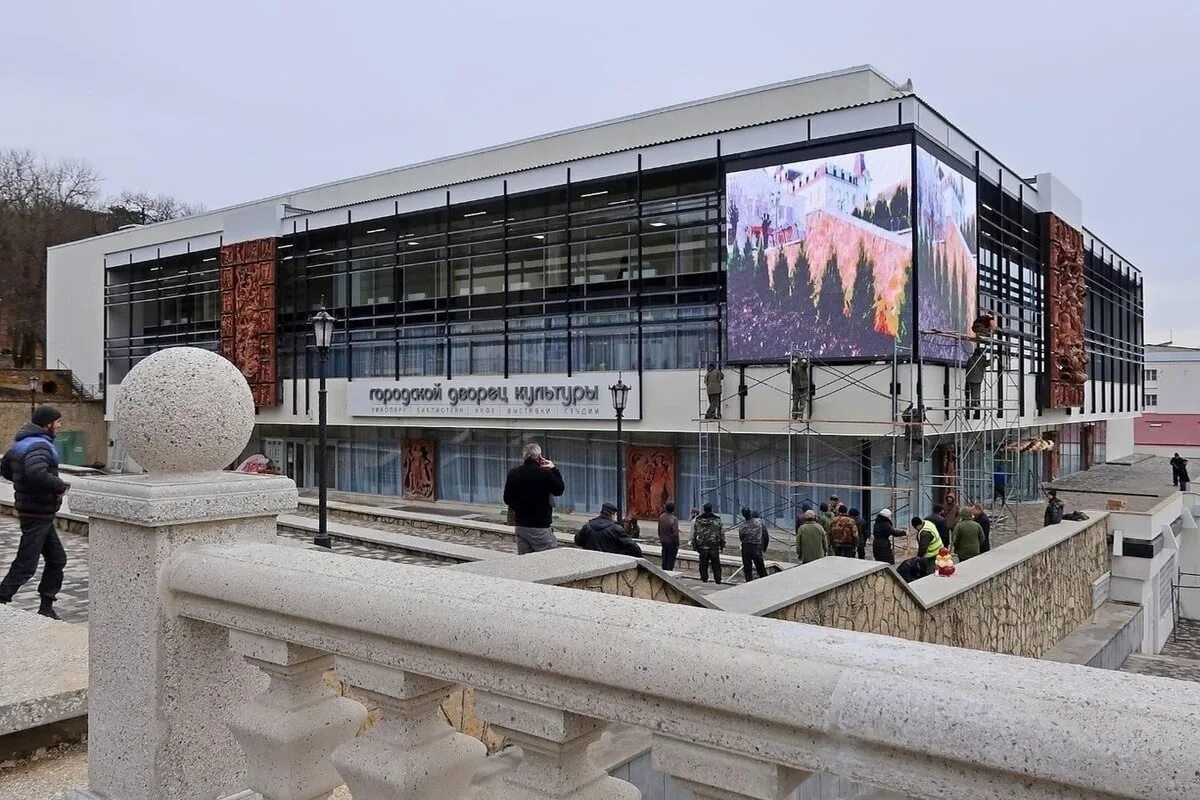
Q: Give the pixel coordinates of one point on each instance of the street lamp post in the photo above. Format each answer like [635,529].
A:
[620,396]
[322,323]
[33,385]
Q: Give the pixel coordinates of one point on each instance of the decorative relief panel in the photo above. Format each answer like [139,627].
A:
[650,480]
[1065,295]
[420,469]
[248,311]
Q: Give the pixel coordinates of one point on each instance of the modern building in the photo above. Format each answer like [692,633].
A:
[493,297]
[1171,421]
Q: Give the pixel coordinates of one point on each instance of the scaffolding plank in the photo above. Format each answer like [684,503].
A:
[803,422]
[811,484]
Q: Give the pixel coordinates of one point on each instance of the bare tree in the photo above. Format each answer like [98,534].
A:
[44,203]
[143,208]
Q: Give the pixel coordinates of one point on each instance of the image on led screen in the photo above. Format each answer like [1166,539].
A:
[947,220]
[820,257]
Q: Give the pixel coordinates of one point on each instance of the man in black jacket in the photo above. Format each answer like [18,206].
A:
[529,492]
[31,463]
[604,534]
[938,518]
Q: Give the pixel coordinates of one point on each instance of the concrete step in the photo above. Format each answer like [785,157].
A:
[43,682]
[1184,669]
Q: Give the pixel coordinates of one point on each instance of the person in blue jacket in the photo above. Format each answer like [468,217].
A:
[31,463]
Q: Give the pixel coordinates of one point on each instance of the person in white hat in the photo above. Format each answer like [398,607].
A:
[881,534]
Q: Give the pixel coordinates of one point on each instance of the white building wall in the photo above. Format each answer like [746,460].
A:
[1178,376]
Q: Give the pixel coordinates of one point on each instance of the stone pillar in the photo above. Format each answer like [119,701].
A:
[162,688]
[412,753]
[289,731]
[711,774]
[555,744]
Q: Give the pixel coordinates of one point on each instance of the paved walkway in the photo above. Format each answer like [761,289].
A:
[72,600]
[1180,659]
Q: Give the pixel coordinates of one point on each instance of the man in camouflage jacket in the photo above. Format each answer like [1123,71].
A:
[708,540]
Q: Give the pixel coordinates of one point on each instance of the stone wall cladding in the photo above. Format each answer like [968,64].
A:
[1024,610]
[633,583]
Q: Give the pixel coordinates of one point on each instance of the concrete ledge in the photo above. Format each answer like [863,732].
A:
[45,671]
[762,597]
[564,565]
[934,589]
[1104,641]
[552,567]
[431,548]
[494,530]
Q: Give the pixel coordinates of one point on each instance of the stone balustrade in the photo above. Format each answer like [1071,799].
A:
[210,638]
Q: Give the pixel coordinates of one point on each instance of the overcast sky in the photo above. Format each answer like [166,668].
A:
[231,101]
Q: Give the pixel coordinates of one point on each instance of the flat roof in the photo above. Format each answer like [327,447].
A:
[622,121]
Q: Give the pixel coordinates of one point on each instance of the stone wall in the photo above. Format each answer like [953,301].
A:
[77,416]
[876,603]
[634,583]
[1007,613]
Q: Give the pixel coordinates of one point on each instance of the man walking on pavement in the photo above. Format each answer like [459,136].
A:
[529,492]
[708,540]
[31,463]
[754,537]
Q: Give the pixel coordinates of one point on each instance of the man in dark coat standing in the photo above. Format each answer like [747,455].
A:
[985,522]
[605,535]
[881,537]
[754,538]
[529,492]
[31,463]
[668,536]
[863,534]
[938,518]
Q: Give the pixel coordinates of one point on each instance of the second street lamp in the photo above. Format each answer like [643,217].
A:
[620,396]
[322,323]
[33,385]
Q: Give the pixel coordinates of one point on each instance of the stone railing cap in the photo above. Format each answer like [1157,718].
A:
[173,499]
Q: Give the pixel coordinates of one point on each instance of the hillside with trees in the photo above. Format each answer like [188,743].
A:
[44,202]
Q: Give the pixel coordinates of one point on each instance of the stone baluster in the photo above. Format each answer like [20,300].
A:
[161,687]
[412,753]
[712,774]
[289,731]
[555,762]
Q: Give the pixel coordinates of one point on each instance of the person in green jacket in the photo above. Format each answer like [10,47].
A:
[967,538]
[812,542]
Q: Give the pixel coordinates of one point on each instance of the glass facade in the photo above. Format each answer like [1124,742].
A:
[1113,332]
[611,274]
[621,273]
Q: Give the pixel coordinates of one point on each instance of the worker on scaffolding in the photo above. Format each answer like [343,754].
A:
[714,380]
[976,368]
[800,370]
[914,420]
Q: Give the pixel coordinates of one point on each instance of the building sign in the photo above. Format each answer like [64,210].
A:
[582,396]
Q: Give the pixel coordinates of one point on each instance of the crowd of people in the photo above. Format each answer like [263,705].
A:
[831,529]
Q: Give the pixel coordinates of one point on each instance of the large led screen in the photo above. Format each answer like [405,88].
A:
[948,279]
[820,257]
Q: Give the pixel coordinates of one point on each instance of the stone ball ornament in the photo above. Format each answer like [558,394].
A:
[184,409]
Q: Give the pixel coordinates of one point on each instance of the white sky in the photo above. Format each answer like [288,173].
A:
[223,101]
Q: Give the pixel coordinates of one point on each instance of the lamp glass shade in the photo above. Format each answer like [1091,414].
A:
[620,394]
[323,323]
